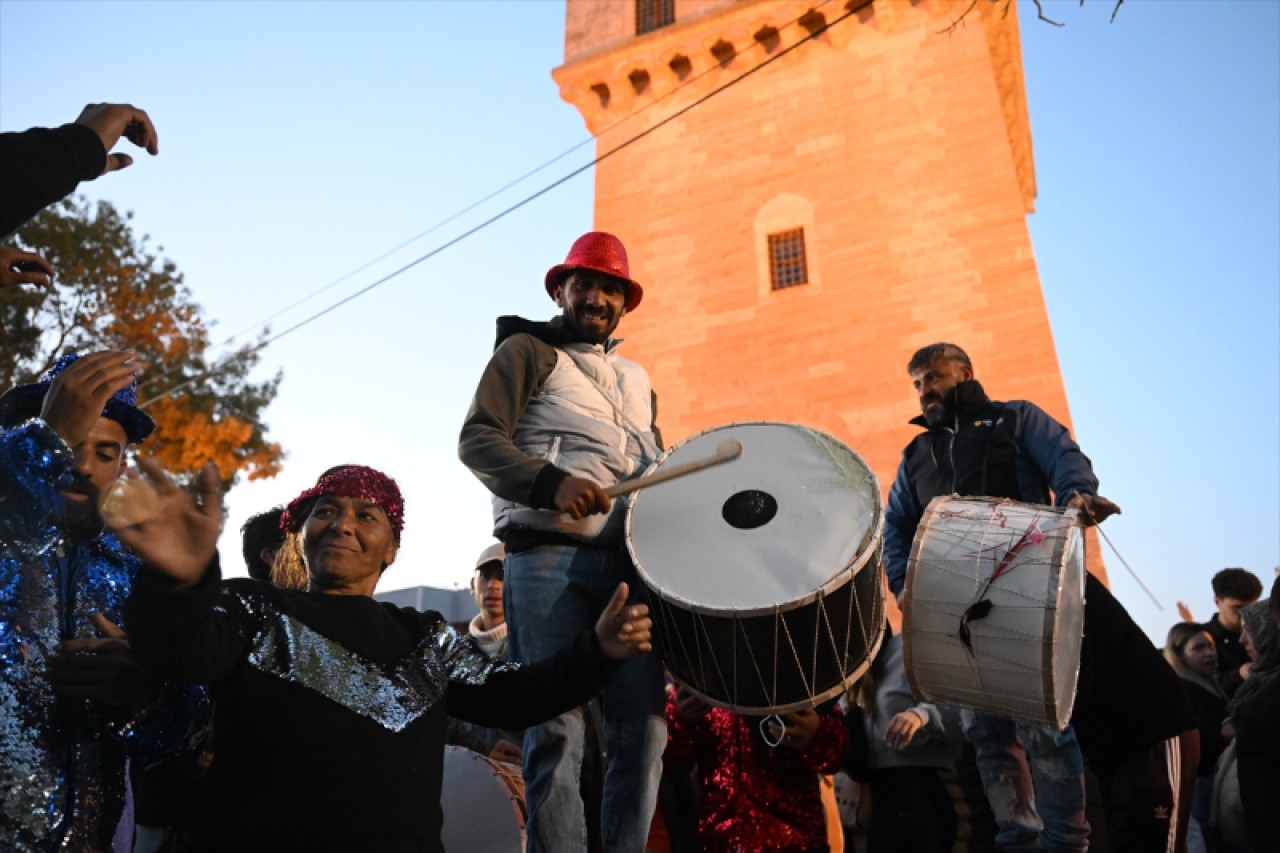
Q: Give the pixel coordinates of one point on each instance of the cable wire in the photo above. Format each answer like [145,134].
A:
[525,201]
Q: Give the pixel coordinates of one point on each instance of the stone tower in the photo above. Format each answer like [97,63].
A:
[802,232]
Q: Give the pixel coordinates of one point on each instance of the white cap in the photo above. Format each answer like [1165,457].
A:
[495,553]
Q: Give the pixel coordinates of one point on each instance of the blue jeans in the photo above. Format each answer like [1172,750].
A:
[552,594]
[1034,779]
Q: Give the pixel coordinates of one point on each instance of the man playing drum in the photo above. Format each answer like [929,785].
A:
[557,417]
[974,446]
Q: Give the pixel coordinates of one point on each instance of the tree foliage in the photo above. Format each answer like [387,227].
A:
[112,292]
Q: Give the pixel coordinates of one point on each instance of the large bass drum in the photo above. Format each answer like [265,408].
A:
[483,804]
[763,574]
[994,608]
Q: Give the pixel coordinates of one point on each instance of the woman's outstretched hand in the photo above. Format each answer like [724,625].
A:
[623,631]
[175,533]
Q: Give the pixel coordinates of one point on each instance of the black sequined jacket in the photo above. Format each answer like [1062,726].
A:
[331,710]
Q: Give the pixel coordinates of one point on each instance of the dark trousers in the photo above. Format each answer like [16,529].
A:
[911,812]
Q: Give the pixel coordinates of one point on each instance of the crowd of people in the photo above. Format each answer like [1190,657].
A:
[301,713]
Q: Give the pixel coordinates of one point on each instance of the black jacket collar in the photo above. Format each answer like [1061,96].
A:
[964,399]
[551,332]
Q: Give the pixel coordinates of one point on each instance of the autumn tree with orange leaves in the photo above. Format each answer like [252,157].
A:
[112,292]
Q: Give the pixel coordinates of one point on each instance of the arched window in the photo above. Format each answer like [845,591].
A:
[788,249]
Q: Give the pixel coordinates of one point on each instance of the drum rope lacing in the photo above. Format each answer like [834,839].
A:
[770,688]
[981,606]
[981,520]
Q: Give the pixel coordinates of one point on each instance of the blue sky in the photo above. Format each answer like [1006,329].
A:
[301,140]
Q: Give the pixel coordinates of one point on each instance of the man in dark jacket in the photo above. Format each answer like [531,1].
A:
[1130,716]
[975,446]
[1232,590]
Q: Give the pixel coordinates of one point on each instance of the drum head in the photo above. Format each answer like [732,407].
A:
[483,804]
[798,509]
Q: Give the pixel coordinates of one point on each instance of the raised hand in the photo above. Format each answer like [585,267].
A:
[102,669]
[19,267]
[623,631]
[174,533]
[77,395]
[111,121]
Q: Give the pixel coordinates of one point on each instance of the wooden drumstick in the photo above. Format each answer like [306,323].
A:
[726,451]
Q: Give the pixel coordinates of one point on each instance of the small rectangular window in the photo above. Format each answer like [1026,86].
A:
[786,259]
[653,14]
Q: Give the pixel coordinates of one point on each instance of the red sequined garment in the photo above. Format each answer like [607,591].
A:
[755,797]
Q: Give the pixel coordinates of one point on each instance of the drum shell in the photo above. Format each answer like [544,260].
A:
[747,651]
[483,804]
[815,648]
[1024,655]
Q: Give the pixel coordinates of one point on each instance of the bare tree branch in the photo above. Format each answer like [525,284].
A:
[1004,13]
[1040,13]
[960,20]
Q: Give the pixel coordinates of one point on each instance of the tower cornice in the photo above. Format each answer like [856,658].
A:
[676,64]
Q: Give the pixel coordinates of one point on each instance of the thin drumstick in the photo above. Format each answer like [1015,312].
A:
[726,451]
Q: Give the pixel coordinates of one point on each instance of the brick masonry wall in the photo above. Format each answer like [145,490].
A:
[888,143]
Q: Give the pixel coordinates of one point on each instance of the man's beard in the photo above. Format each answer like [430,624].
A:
[938,416]
[83,519]
[589,336]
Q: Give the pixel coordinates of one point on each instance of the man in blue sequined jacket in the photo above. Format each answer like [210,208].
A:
[75,704]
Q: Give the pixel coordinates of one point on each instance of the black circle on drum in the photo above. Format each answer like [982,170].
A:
[749,509]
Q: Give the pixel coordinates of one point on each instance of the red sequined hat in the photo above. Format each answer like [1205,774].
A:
[602,252]
[349,481]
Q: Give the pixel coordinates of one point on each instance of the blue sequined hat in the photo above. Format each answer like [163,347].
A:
[24,401]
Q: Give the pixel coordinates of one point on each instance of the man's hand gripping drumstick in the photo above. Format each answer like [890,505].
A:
[580,497]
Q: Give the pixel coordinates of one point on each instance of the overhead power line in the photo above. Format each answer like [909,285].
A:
[527,199]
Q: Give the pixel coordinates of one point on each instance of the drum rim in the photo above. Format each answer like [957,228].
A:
[873,541]
[1061,713]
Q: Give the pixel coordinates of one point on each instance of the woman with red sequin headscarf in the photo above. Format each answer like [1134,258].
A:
[331,705]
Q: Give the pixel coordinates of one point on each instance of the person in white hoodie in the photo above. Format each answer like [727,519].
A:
[489,629]
[489,626]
